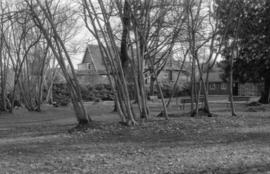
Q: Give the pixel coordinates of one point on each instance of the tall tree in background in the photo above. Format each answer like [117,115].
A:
[252,62]
[229,30]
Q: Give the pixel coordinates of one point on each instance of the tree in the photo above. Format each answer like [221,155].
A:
[197,37]
[51,31]
[141,22]
[20,38]
[4,60]
[229,31]
[97,20]
[252,62]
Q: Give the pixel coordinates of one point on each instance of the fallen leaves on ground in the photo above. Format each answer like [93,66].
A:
[220,144]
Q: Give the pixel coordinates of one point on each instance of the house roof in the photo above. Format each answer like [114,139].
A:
[93,54]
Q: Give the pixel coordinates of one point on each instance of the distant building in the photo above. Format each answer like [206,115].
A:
[218,87]
[91,70]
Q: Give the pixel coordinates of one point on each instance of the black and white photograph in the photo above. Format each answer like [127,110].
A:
[134,86]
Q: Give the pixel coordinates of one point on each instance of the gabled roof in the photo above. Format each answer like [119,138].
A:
[93,54]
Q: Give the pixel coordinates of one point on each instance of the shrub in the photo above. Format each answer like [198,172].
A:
[97,93]
[99,87]
[61,94]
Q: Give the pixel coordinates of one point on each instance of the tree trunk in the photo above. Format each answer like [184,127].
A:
[80,111]
[3,86]
[206,108]
[231,88]
[152,85]
[164,112]
[59,50]
[41,81]
[192,84]
[115,106]
[197,99]
[265,96]
[111,53]
[49,97]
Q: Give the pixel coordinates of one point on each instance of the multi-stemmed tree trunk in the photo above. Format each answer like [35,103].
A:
[52,73]
[59,50]
[41,81]
[164,112]
[19,42]
[202,84]
[135,30]
[22,40]
[196,41]
[144,34]
[103,32]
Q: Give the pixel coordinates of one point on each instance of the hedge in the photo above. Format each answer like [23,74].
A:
[103,92]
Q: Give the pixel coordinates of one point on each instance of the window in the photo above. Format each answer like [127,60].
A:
[88,66]
[223,86]
[212,86]
[218,85]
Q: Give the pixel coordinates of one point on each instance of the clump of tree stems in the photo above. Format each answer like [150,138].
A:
[147,30]
[136,40]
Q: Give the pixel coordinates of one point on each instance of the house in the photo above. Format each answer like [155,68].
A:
[216,86]
[91,70]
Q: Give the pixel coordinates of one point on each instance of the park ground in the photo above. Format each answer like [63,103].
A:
[42,143]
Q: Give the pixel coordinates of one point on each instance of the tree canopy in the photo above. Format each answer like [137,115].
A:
[248,33]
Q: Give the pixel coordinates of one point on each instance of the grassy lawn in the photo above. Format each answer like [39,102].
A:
[41,143]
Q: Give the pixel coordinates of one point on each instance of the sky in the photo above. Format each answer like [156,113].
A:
[81,40]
